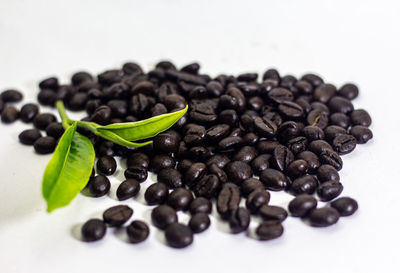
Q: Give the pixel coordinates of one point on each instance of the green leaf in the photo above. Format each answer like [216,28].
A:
[143,129]
[69,169]
[111,136]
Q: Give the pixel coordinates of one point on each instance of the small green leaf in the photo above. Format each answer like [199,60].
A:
[143,129]
[68,170]
[111,136]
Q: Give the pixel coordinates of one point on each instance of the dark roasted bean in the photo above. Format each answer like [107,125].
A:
[288,130]
[194,135]
[11,95]
[221,174]
[327,172]
[157,193]
[238,171]
[106,165]
[138,160]
[28,112]
[47,97]
[178,235]
[207,186]
[228,199]
[93,230]
[267,146]
[281,157]
[118,215]
[183,165]
[239,220]
[274,117]
[163,215]
[315,80]
[304,87]
[291,110]
[269,230]
[297,168]
[360,117]
[9,114]
[128,189]
[55,129]
[41,121]
[349,91]
[331,158]
[29,136]
[160,162]
[138,173]
[317,118]
[275,213]
[271,74]
[170,177]
[260,163]
[312,160]
[256,199]
[180,199]
[313,133]
[339,119]
[329,190]
[99,185]
[45,145]
[102,115]
[301,205]
[217,132]
[344,144]
[250,139]
[304,184]
[250,185]
[333,131]
[199,222]
[297,145]
[361,134]
[195,173]
[339,104]
[265,127]
[346,206]
[279,95]
[200,205]
[245,154]
[319,146]
[144,87]
[323,217]
[219,159]
[273,179]
[324,92]
[137,231]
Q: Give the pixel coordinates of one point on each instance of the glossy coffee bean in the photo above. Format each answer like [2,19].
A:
[288,130]
[301,205]
[55,129]
[230,143]
[318,146]
[360,117]
[346,206]
[326,173]
[49,83]
[155,194]
[317,118]
[274,213]
[306,184]
[45,145]
[200,205]
[265,127]
[313,133]
[291,110]
[199,222]
[183,165]
[137,231]
[297,168]
[138,160]
[106,165]
[163,215]
[323,217]
[9,114]
[219,159]
[170,177]
[331,158]
[329,190]
[239,220]
[41,121]
[339,119]
[313,79]
[221,174]
[47,97]
[99,186]
[267,146]
[260,163]
[29,136]
[128,189]
[238,171]
[344,144]
[165,143]
[228,199]
[93,230]
[11,96]
[217,132]
[312,160]
[274,180]
[138,173]
[324,92]
[333,131]
[269,230]
[341,105]
[195,173]
[297,145]
[180,199]
[102,115]
[160,162]
[361,134]
[348,91]
[117,216]
[249,185]
[178,235]
[279,95]
[256,199]
[207,186]
[245,154]
[281,157]
[28,112]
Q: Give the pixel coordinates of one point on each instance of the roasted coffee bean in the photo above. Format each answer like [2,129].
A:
[297,145]
[207,186]
[119,108]
[102,115]
[233,99]
[47,97]
[250,185]
[137,231]
[260,163]
[265,127]
[41,121]
[214,169]
[269,230]
[29,136]
[339,104]
[323,217]
[228,199]
[138,160]
[81,77]
[106,165]
[312,160]
[339,119]
[301,205]
[219,159]
[105,148]
[11,96]
[194,134]
[117,216]
[93,230]
[217,132]
[128,189]
[178,235]
[279,95]
[273,116]
[2,104]
[305,105]
[199,222]
[313,79]
[214,88]
[319,146]
[273,179]
[238,171]
[184,165]
[195,173]
[360,117]
[239,220]
[327,172]
[198,92]
[349,91]
[138,173]
[230,143]
[304,87]
[245,154]
[281,157]
[291,110]
[361,134]
[344,144]
[180,199]
[78,101]
[200,205]
[275,213]
[333,131]
[271,74]
[256,199]
[324,92]
[55,129]
[297,168]
[250,139]
[170,177]
[45,145]
[304,184]
[9,114]
[267,146]
[99,186]
[157,193]
[329,190]
[288,130]
[163,215]
[49,83]
[28,112]
[346,206]
[160,162]
[331,158]
[313,133]
[318,118]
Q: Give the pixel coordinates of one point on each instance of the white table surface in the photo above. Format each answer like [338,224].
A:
[344,41]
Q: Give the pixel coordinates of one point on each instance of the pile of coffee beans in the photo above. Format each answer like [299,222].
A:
[242,137]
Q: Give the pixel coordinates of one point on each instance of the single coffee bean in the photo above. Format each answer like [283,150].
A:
[28,112]
[291,110]
[45,145]
[137,231]
[238,171]
[318,118]
[339,119]
[99,186]
[102,115]
[217,132]
[9,114]
[183,166]
[269,230]
[178,235]
[55,129]
[275,213]
[180,199]
[219,159]
[267,146]
[329,190]
[160,162]
[323,217]
[195,173]
[324,92]
[273,116]
[138,160]
[128,189]
[312,160]
[265,127]
[250,139]
[11,95]
[341,105]
[304,87]
[207,186]
[200,205]
[313,79]
[170,177]
[346,206]
[257,199]
[245,154]
[157,193]
[297,168]
[41,121]
[318,146]
[279,95]
[361,134]
[304,184]
[29,136]
[230,143]
[163,215]
[313,133]
[348,91]
[47,97]
[281,157]
[93,230]
[326,173]
[360,117]
[239,220]
[297,145]
[228,199]
[81,77]
[49,83]
[331,158]
[260,163]
[301,205]
[344,144]
[274,180]
[199,222]
[165,143]
[316,105]
[194,134]
[222,176]
[117,216]
[271,74]
[250,185]
[288,130]
[333,131]
[78,101]
[106,165]
[138,173]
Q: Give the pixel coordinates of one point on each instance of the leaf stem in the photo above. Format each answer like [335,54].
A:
[66,122]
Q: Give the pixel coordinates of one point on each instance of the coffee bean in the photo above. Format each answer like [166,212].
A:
[178,235]
[207,186]
[45,145]
[28,112]
[29,136]
[349,91]
[194,134]
[323,217]
[344,144]
[11,96]
[341,105]
[333,131]
[238,171]
[200,205]
[331,158]
[49,83]
[260,163]
[228,199]
[118,215]
[257,199]
[81,77]
[318,118]
[329,190]
[93,230]
[297,145]
[137,231]
[346,206]
[360,117]
[102,115]
[274,180]
[312,160]
[313,79]
[319,146]
[327,172]
[2,104]
[304,184]
[163,215]
[160,162]
[304,87]
[47,97]
[195,173]
[239,220]
[128,189]
[279,95]
[245,154]
[138,160]
[99,186]
[230,143]
[138,173]
[340,119]
[222,176]
[217,132]
[233,99]
[301,205]
[55,129]
[170,177]
[9,114]
[313,133]
[322,107]
[250,185]
[250,139]
[281,157]
[361,134]
[297,168]
[41,121]
[180,199]
[267,146]
[106,165]
[271,74]
[291,110]
[269,230]
[220,160]
[324,92]
[199,222]
[157,193]
[288,130]
[273,116]
[275,213]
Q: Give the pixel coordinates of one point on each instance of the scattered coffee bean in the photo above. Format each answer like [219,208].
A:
[29,136]
[41,121]
[117,216]
[239,220]
[180,199]
[170,177]
[274,180]
[360,117]
[9,114]
[156,194]
[361,134]
[228,199]
[137,231]
[238,171]
[11,95]
[323,217]
[199,222]
[99,185]
[304,184]
[163,215]
[136,172]
[349,91]
[327,172]
[275,213]
[269,230]
[195,173]
[344,144]
[28,112]
[346,206]
[160,162]
[200,205]
[301,205]
[93,230]
[106,165]
[257,199]
[178,235]
[55,129]
[329,190]
[128,189]
[45,145]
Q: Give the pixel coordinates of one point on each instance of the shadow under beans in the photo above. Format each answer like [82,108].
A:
[76,231]
[121,234]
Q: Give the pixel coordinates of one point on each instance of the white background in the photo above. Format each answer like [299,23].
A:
[343,41]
